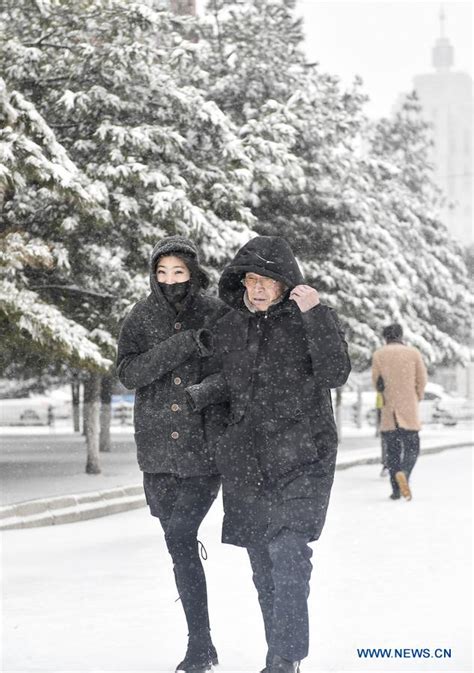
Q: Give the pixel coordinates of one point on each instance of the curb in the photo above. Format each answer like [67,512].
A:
[345,464]
[70,508]
[91,505]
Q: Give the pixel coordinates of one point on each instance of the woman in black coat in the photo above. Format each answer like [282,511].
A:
[164,346]
[281,351]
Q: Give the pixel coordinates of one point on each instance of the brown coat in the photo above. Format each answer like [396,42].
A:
[404,375]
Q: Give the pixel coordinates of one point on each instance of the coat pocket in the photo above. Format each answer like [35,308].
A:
[145,440]
[234,454]
[285,446]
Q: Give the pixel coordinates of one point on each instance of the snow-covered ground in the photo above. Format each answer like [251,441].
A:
[99,596]
[63,426]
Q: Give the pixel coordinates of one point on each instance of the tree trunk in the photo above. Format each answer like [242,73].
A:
[359,407]
[339,412]
[91,421]
[106,387]
[84,415]
[76,401]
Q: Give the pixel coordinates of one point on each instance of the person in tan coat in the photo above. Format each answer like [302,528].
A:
[399,372]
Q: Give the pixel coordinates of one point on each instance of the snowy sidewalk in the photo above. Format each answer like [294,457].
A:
[43,481]
[98,596]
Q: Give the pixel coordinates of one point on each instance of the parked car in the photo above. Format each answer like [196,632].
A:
[122,409]
[438,406]
[36,409]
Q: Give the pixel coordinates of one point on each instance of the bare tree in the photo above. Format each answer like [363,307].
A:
[91,421]
[76,401]
[106,387]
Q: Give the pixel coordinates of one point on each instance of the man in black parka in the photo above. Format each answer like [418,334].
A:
[281,351]
[164,346]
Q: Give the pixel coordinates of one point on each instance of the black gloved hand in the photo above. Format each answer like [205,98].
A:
[205,342]
[190,401]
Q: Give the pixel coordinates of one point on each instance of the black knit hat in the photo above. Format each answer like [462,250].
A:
[186,250]
[173,244]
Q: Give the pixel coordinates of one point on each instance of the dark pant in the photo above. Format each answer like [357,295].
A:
[181,505]
[281,574]
[403,447]
[383,446]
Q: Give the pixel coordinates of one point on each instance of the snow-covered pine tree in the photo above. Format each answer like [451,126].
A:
[257,64]
[39,180]
[110,79]
[334,209]
[254,53]
[430,263]
[36,174]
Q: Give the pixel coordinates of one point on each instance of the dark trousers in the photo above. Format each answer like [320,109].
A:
[281,574]
[403,448]
[383,447]
[181,505]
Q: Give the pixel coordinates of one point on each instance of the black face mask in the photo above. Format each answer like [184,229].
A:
[176,292]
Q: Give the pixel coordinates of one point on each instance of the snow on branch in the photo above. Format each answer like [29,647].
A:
[48,327]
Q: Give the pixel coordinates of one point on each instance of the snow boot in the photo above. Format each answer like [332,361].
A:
[280,665]
[402,482]
[268,662]
[200,656]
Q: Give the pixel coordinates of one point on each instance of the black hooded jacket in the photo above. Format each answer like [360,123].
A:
[160,352]
[277,370]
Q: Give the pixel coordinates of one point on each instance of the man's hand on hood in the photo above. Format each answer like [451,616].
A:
[305,296]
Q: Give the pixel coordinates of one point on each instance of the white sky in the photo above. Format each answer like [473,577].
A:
[386,42]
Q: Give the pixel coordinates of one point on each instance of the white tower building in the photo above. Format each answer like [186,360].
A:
[446,99]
